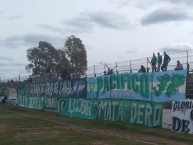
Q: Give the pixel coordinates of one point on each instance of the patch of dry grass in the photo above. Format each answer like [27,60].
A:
[20,126]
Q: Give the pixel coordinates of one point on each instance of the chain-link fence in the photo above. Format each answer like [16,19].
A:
[185,57]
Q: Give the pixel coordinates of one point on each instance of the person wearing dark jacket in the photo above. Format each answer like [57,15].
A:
[165,62]
[159,61]
[153,62]
[179,66]
[142,69]
[4,100]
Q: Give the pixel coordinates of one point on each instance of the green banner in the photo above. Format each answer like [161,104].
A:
[155,87]
[50,104]
[5,92]
[133,112]
[29,102]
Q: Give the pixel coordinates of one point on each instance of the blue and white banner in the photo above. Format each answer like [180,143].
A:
[182,116]
[156,87]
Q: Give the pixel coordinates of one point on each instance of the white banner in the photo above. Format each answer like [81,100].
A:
[182,116]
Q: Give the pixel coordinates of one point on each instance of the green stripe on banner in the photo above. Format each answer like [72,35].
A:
[133,112]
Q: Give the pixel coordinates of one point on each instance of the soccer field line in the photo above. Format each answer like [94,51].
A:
[84,129]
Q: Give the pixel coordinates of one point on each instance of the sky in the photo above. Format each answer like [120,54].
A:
[111,30]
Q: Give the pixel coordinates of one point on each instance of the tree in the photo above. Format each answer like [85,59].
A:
[77,56]
[63,65]
[43,58]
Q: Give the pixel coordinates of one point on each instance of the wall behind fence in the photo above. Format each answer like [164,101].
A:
[127,97]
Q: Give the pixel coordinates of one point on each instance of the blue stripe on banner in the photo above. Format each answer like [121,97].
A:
[156,87]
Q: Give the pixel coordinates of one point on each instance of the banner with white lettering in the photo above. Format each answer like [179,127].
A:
[133,112]
[182,116]
[156,87]
[63,88]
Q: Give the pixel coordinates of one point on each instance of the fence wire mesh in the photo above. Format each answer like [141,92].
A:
[132,66]
[185,57]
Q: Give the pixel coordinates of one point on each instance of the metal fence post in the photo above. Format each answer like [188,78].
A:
[130,67]
[116,67]
[187,62]
[94,71]
[147,65]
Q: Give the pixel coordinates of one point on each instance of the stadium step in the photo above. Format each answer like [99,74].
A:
[189,86]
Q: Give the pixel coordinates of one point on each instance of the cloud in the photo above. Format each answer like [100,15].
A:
[121,3]
[19,64]
[180,2]
[51,28]
[164,15]
[4,71]
[85,22]
[177,47]
[14,17]
[148,4]
[79,24]
[110,20]
[34,38]
[30,39]
[7,64]
[2,58]
[12,42]
[133,50]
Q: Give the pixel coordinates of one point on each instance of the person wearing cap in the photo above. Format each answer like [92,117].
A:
[165,62]
[179,66]
[159,61]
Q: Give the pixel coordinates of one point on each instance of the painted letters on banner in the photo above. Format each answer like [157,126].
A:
[65,88]
[29,102]
[182,116]
[156,87]
[133,112]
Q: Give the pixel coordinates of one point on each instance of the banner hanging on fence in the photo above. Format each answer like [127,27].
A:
[65,88]
[182,116]
[29,102]
[133,112]
[156,87]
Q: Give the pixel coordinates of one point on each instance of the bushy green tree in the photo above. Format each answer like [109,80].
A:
[43,58]
[77,56]
[72,60]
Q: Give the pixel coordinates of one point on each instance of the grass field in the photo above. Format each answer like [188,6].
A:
[20,126]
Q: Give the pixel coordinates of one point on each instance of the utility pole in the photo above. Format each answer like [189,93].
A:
[19,77]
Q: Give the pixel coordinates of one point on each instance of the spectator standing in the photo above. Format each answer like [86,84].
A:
[165,62]
[159,61]
[153,62]
[179,66]
[109,71]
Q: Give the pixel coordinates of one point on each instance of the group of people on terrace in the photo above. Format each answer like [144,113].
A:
[156,63]
[110,71]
